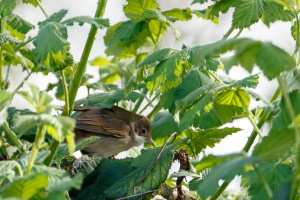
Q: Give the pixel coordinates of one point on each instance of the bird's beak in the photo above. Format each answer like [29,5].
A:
[151,141]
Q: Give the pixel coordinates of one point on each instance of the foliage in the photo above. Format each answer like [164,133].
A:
[182,91]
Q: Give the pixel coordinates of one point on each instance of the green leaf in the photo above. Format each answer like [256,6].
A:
[35,3]
[250,82]
[212,160]
[169,73]
[57,126]
[178,14]
[197,108]
[40,100]
[125,48]
[157,175]
[107,173]
[156,56]
[150,14]
[230,102]
[4,38]
[280,141]
[226,171]
[135,8]
[9,169]
[278,11]
[56,18]
[163,125]
[127,31]
[7,6]
[108,99]
[194,80]
[18,26]
[5,99]
[245,55]
[247,13]
[275,175]
[59,180]
[39,159]
[25,187]
[199,1]
[272,65]
[221,6]
[98,22]
[52,46]
[283,119]
[200,139]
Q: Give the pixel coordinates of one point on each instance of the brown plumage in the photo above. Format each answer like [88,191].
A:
[118,129]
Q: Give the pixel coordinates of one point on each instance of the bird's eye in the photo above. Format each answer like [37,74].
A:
[144,131]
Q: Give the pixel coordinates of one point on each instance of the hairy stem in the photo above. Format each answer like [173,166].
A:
[85,55]
[2,25]
[65,86]
[22,83]
[227,34]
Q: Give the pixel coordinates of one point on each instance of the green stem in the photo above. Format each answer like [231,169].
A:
[289,106]
[139,102]
[65,86]
[35,147]
[12,137]
[20,45]
[155,110]
[239,33]
[252,120]
[43,10]
[297,31]
[2,24]
[263,118]
[1,70]
[85,55]
[22,83]
[220,190]
[228,33]
[78,75]
[149,103]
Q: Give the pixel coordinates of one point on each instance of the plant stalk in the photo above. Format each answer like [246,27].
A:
[78,75]
[2,24]
[35,147]
[65,86]
[85,55]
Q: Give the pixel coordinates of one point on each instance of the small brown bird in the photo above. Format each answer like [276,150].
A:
[118,129]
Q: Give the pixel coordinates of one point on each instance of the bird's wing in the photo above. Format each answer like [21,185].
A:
[103,124]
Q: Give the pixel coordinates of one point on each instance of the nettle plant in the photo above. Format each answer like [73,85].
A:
[188,104]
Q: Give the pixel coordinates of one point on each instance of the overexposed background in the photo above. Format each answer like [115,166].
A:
[194,32]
